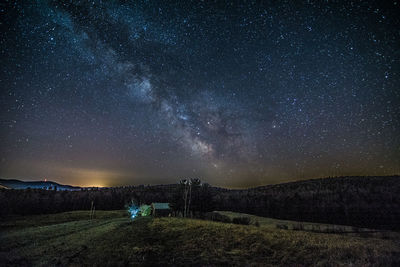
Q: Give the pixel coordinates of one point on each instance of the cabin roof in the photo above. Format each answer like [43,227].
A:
[161,206]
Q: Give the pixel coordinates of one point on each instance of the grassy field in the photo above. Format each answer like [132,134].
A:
[307,226]
[113,239]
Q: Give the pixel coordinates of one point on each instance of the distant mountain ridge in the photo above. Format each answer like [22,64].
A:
[47,185]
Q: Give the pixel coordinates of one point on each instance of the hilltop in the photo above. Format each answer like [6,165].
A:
[46,185]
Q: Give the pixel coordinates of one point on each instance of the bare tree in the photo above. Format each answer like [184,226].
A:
[187,194]
[186,185]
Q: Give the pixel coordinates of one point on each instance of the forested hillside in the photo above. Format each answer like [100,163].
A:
[359,201]
[372,202]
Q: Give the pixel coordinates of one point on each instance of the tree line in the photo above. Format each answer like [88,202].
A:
[372,202]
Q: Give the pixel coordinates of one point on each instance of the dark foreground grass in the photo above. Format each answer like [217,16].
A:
[311,227]
[12,222]
[115,240]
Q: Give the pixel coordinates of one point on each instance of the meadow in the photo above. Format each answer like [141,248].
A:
[112,239]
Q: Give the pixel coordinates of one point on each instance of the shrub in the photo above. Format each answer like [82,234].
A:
[221,218]
[282,226]
[241,220]
[215,216]
[298,227]
[316,228]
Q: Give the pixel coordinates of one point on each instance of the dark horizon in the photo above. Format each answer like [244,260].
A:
[107,93]
[213,185]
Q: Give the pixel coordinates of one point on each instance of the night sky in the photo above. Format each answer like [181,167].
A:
[109,93]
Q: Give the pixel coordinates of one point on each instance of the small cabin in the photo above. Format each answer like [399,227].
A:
[160,209]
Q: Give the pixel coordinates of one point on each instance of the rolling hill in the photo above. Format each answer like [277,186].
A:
[17,184]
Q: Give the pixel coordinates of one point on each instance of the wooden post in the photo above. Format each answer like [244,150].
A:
[91,210]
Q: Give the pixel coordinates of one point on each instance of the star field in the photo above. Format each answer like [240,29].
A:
[237,94]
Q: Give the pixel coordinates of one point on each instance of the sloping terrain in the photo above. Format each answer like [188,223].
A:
[113,239]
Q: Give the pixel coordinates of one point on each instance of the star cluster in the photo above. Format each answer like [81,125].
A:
[237,94]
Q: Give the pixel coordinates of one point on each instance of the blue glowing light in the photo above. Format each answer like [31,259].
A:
[133,210]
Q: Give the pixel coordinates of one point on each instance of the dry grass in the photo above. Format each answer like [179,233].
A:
[175,241]
[18,221]
[306,226]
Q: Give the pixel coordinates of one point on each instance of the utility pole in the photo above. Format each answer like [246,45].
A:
[92,209]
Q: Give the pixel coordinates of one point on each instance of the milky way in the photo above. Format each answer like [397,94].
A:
[144,92]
